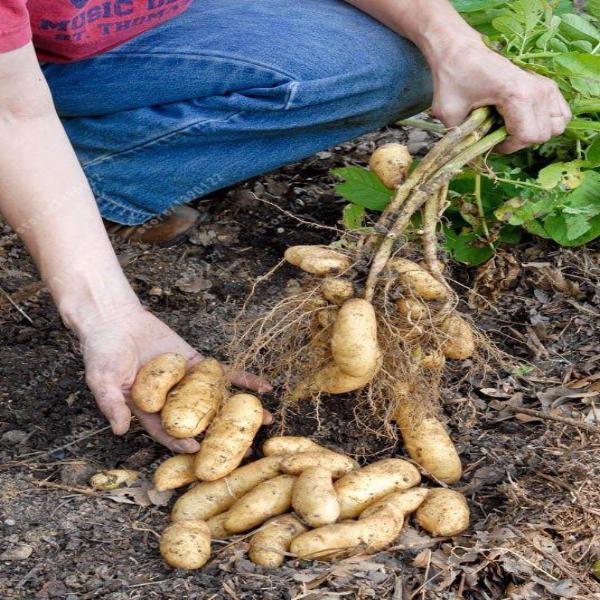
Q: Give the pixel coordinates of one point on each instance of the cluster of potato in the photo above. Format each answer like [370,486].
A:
[301,499]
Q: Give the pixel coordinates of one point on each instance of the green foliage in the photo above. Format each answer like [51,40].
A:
[552,190]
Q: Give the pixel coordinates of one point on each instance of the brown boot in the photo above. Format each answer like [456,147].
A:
[165,230]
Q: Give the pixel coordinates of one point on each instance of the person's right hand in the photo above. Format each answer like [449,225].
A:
[114,349]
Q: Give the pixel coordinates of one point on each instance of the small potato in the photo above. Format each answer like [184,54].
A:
[337,464]
[155,379]
[314,499]
[417,280]
[354,343]
[318,260]
[391,163]
[216,525]
[359,489]
[443,513]
[186,544]
[343,539]
[398,504]
[270,543]
[332,380]
[111,479]
[175,472]
[327,316]
[460,343]
[427,443]
[209,498]
[433,361]
[289,444]
[192,404]
[337,290]
[266,500]
[228,437]
[414,310]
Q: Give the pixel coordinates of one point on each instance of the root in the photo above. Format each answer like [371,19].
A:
[431,215]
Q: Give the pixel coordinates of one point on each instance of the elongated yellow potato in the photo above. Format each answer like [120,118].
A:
[359,489]
[460,341]
[427,442]
[314,498]
[270,543]
[192,404]
[391,163]
[111,479]
[343,539]
[443,513]
[266,500]
[155,379]
[289,444]
[228,437]
[175,472]
[332,380]
[216,525]
[417,280]
[209,498]
[354,343]
[186,544]
[337,464]
[398,504]
[337,290]
[318,260]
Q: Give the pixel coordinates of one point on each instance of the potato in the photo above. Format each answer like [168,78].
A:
[359,489]
[460,343]
[398,504]
[443,513]
[344,539]
[186,544]
[289,444]
[337,464]
[414,310]
[354,343]
[314,498]
[270,543]
[209,498]
[228,437]
[192,404]
[391,163]
[434,361]
[216,525]
[337,290]
[175,472]
[417,280]
[111,479]
[266,500]
[327,316]
[427,443]
[155,379]
[332,380]
[318,260]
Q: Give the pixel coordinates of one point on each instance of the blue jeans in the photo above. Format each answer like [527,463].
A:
[226,91]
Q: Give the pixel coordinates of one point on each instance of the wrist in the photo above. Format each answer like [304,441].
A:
[444,42]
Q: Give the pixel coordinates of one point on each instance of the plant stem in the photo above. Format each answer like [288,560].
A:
[479,203]
[422,124]
[431,214]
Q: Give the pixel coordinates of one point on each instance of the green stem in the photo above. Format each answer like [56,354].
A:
[422,124]
[538,55]
[479,203]
[515,182]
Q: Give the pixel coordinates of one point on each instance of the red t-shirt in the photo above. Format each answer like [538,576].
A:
[67,30]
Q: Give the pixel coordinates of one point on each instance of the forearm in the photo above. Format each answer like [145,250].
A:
[45,197]
[432,25]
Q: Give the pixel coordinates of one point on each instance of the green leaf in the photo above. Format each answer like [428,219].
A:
[574,27]
[566,173]
[468,248]
[583,45]
[593,7]
[353,216]
[593,152]
[582,69]
[582,125]
[363,188]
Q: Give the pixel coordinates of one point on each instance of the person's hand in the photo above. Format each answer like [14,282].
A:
[114,350]
[469,75]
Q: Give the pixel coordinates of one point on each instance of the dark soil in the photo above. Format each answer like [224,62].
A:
[532,482]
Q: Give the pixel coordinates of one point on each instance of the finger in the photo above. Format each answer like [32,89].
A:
[151,423]
[249,381]
[522,126]
[451,114]
[111,402]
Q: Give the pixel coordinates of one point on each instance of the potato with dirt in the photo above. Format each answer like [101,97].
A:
[398,504]
[337,464]
[444,512]
[269,545]
[416,280]
[266,500]
[111,479]
[318,260]
[229,436]
[209,498]
[391,163]
[155,379]
[459,343]
[175,472]
[359,489]
[332,380]
[192,404]
[314,498]
[185,544]
[337,290]
[290,444]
